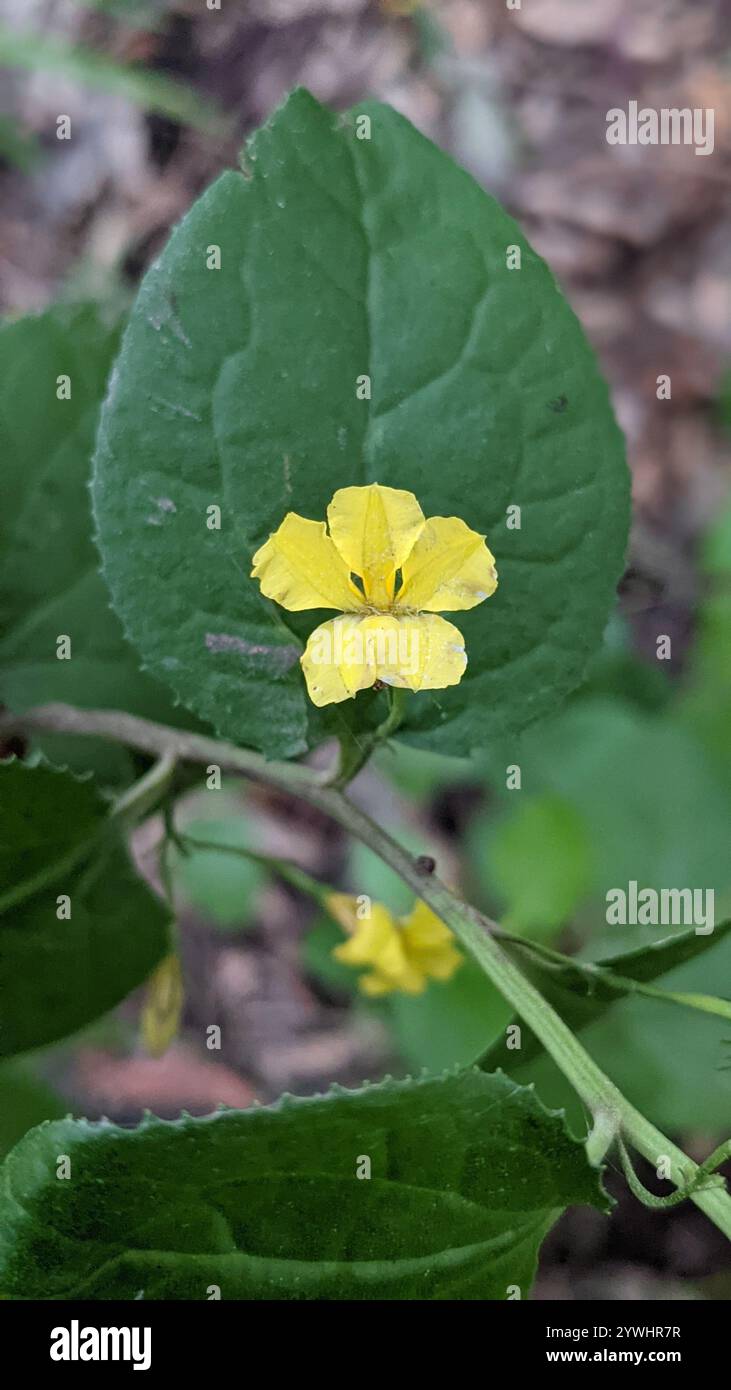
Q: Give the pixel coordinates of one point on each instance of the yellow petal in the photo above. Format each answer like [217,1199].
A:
[299,567]
[417,652]
[374,529]
[378,942]
[424,928]
[375,985]
[375,938]
[414,651]
[163,1006]
[450,567]
[335,661]
[429,943]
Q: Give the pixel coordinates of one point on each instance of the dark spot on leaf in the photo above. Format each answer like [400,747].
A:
[558,405]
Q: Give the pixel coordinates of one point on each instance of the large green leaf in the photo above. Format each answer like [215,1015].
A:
[467,1173]
[59,973]
[49,580]
[236,387]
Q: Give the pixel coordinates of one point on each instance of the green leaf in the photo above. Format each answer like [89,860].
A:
[223,885]
[49,580]
[549,835]
[236,387]
[468,1172]
[581,995]
[653,805]
[57,974]
[19,146]
[705,705]
[25,1100]
[449,1024]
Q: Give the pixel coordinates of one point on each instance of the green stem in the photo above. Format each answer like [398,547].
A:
[473,930]
[283,868]
[148,792]
[355,750]
[705,1180]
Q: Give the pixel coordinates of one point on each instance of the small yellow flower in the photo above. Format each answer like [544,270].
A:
[163,1006]
[389,571]
[403,953]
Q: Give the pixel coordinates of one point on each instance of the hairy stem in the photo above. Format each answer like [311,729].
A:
[473,930]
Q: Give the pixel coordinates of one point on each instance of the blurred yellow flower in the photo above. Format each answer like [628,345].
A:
[163,1006]
[390,572]
[403,953]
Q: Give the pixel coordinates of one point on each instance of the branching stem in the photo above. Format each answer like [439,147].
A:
[477,934]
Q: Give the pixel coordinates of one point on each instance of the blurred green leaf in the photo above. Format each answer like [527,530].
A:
[317,947]
[539,862]
[451,1023]
[25,1100]
[224,886]
[58,972]
[724,401]
[716,551]
[420,773]
[153,91]
[617,672]
[705,705]
[18,146]
[466,1175]
[654,806]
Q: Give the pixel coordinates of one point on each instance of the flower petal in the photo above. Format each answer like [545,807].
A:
[418,651]
[429,943]
[337,661]
[374,529]
[378,942]
[374,938]
[450,567]
[299,567]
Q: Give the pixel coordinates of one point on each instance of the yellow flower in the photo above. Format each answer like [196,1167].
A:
[389,571]
[403,953]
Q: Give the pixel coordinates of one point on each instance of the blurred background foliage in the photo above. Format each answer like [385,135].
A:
[633,779]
